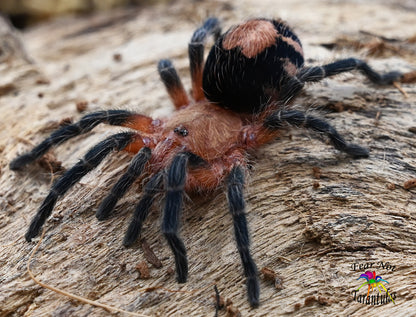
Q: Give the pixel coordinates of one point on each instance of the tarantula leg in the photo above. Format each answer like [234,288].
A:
[142,209]
[86,124]
[299,119]
[290,89]
[235,184]
[176,179]
[123,184]
[196,54]
[173,84]
[91,160]
[345,65]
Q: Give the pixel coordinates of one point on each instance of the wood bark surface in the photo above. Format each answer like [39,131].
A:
[313,212]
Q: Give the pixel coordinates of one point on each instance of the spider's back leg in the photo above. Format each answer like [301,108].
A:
[84,125]
[297,118]
[318,73]
[196,54]
[173,84]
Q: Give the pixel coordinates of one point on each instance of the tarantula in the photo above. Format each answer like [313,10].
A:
[241,99]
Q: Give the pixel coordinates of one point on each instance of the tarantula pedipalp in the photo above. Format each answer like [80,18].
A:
[241,98]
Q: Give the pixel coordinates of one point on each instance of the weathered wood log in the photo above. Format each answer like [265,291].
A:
[315,214]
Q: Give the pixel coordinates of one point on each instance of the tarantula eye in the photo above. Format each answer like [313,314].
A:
[181,130]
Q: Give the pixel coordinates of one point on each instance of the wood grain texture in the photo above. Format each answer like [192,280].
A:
[313,212]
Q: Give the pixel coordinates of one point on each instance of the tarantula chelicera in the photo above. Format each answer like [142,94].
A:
[241,98]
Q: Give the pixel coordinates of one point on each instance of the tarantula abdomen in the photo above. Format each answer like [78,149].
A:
[248,66]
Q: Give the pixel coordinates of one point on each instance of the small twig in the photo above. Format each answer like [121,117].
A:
[150,255]
[397,85]
[153,288]
[67,294]
[386,39]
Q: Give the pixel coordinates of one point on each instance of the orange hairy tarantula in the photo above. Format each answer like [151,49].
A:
[241,98]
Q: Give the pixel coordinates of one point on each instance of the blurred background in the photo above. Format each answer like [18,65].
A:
[23,13]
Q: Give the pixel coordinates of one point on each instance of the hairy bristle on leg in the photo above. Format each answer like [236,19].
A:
[235,187]
[90,161]
[134,170]
[175,185]
[142,210]
[299,119]
[84,125]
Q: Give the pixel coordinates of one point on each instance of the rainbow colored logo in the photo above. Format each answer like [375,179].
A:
[373,281]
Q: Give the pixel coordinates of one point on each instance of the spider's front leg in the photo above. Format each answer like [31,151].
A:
[90,161]
[235,187]
[84,125]
[175,185]
[318,73]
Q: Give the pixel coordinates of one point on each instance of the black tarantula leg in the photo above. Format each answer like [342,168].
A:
[175,183]
[299,119]
[142,209]
[235,184]
[290,89]
[123,184]
[173,84]
[91,160]
[196,54]
[345,65]
[86,124]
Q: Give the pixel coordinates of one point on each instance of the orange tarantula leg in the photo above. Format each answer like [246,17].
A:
[90,161]
[84,125]
[172,83]
[141,123]
[196,54]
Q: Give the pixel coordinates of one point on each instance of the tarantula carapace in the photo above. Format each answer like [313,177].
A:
[240,100]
